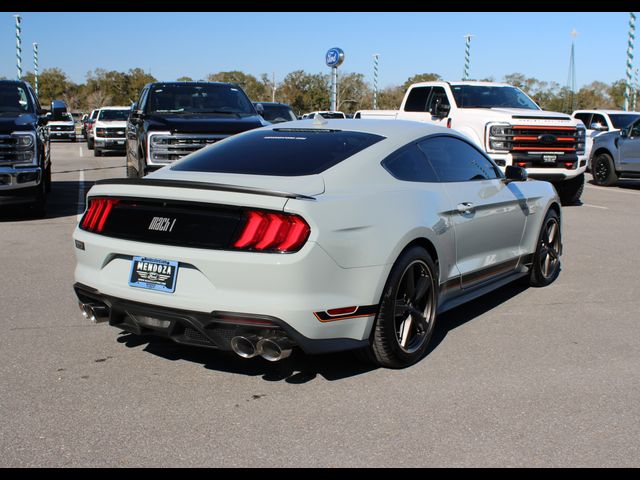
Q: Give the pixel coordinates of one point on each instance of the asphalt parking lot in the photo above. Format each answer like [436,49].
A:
[522,377]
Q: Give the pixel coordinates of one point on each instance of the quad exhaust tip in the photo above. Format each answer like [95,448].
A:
[271,349]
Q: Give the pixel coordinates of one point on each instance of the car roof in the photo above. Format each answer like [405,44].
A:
[396,131]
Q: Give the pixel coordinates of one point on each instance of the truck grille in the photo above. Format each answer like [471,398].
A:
[525,138]
[110,132]
[62,128]
[169,148]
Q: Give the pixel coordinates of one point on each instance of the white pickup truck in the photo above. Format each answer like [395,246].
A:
[510,127]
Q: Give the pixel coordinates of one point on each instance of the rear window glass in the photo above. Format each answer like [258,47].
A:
[290,152]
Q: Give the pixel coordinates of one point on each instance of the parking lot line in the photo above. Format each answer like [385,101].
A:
[594,206]
[610,189]
[80,150]
[80,195]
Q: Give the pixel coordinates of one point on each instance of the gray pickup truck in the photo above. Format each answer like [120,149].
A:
[615,155]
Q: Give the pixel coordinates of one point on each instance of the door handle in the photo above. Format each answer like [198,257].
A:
[466,207]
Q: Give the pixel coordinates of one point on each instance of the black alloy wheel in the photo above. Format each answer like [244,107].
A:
[546,262]
[406,319]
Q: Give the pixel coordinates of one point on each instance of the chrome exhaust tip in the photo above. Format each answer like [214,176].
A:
[274,349]
[94,313]
[245,346]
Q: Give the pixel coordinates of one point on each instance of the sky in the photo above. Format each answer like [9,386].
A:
[174,44]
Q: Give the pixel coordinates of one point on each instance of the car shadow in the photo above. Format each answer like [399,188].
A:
[623,183]
[467,312]
[300,368]
[296,369]
[63,201]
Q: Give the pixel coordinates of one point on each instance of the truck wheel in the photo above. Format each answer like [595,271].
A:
[97,152]
[47,180]
[407,314]
[570,190]
[603,170]
[546,259]
[90,143]
[39,207]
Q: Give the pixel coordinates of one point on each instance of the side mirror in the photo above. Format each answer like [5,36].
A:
[259,108]
[515,174]
[598,126]
[624,133]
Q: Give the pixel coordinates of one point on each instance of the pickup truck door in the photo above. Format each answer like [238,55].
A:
[415,107]
[488,215]
[629,149]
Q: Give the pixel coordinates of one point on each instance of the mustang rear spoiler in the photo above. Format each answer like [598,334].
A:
[201,186]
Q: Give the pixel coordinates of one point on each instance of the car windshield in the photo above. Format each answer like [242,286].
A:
[113,115]
[484,96]
[14,99]
[277,113]
[621,120]
[328,114]
[204,98]
[285,152]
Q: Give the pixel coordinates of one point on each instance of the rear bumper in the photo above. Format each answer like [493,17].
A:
[291,288]
[210,330]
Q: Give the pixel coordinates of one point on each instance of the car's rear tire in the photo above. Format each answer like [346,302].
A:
[603,170]
[546,259]
[570,190]
[406,319]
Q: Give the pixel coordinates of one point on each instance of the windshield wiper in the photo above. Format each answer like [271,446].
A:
[224,112]
[170,111]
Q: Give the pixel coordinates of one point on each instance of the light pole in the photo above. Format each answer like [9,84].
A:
[630,42]
[18,46]
[467,57]
[35,64]
[376,56]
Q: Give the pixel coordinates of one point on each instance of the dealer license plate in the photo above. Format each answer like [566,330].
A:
[549,158]
[153,274]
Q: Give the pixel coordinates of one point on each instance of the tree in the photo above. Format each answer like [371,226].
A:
[353,92]
[184,79]
[254,88]
[53,84]
[421,77]
[305,92]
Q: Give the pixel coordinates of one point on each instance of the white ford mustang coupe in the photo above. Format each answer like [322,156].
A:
[322,235]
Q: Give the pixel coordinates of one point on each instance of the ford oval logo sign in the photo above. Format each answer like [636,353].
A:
[547,139]
[334,57]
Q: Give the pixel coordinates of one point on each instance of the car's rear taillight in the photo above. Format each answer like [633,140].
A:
[273,232]
[97,214]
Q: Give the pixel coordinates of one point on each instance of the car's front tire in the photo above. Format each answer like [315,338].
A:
[603,170]
[545,267]
[407,314]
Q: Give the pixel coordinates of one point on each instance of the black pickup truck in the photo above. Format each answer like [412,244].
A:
[173,119]
[25,162]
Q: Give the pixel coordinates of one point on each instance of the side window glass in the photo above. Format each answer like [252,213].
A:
[456,161]
[635,130]
[438,97]
[586,119]
[143,99]
[417,100]
[410,164]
